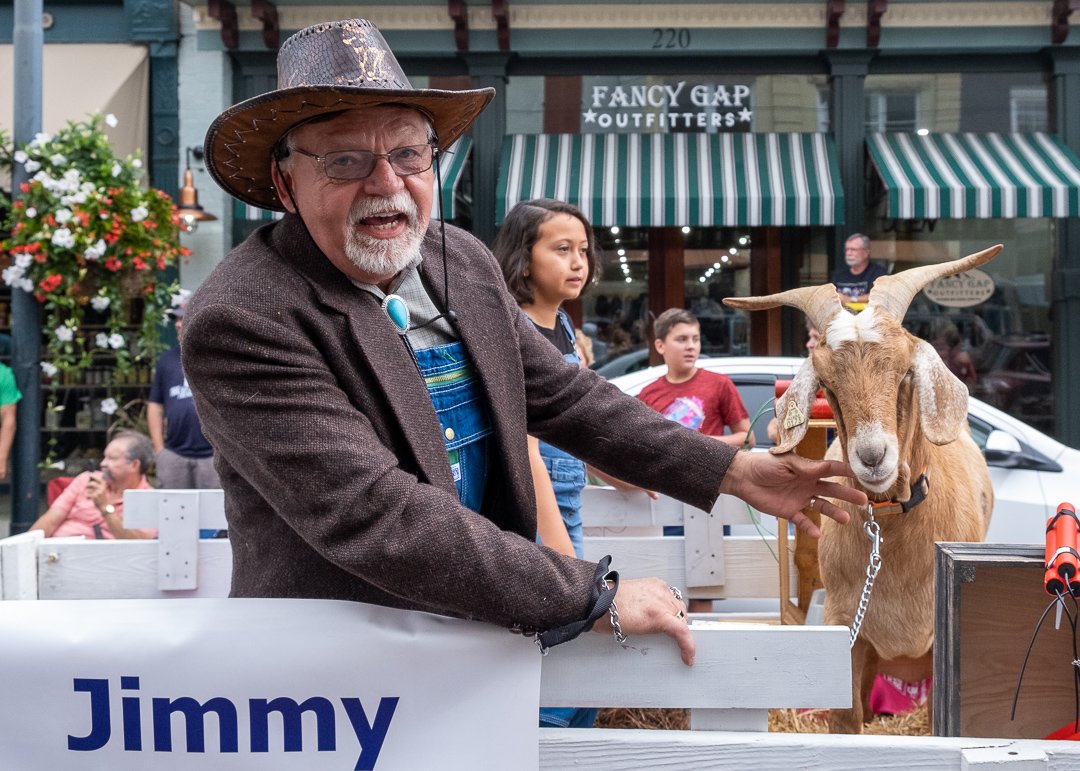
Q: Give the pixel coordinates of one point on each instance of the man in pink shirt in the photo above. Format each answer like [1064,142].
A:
[93,504]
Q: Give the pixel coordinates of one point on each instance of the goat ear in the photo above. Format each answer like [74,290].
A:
[793,408]
[943,399]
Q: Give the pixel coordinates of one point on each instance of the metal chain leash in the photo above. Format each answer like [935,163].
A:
[873,532]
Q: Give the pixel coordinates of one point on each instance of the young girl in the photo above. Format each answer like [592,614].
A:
[548,256]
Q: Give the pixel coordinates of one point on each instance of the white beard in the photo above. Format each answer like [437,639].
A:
[380,256]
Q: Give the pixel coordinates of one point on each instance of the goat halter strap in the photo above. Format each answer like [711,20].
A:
[919,489]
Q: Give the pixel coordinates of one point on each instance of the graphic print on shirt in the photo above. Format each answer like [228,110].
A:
[180,391]
[686,410]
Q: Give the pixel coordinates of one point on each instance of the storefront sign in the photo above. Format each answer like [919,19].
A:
[962,290]
[660,107]
[268,684]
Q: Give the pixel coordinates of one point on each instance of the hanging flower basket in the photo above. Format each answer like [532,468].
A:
[91,242]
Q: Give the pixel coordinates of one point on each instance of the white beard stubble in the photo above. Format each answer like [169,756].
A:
[380,256]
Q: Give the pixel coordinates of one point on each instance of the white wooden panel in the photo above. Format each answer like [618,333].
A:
[738,666]
[638,749]
[752,570]
[703,548]
[141,508]
[987,758]
[608,507]
[729,720]
[178,540]
[18,565]
[124,570]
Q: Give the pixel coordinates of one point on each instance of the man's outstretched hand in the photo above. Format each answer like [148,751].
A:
[783,485]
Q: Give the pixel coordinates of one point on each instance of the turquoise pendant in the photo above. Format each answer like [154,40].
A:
[397,311]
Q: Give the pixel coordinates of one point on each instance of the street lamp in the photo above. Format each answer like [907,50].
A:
[191,214]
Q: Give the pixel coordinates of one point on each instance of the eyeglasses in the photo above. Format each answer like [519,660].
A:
[358,164]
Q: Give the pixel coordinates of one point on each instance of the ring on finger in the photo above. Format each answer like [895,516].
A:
[813,503]
[675,591]
[681,614]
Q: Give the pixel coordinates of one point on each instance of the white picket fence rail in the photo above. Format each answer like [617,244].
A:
[741,671]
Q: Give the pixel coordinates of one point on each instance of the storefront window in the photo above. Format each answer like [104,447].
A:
[999,347]
[615,312]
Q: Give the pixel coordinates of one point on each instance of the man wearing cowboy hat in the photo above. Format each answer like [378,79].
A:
[368,383]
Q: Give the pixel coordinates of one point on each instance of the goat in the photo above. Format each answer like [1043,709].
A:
[899,410]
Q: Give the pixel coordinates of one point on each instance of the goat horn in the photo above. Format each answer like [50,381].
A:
[895,293]
[819,303]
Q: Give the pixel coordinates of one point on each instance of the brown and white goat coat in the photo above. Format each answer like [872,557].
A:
[899,410]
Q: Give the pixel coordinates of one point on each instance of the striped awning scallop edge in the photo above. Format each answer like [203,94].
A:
[662,180]
[993,175]
[451,167]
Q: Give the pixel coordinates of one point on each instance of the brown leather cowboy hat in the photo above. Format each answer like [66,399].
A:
[324,69]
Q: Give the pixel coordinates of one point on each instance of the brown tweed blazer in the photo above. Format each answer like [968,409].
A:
[337,482]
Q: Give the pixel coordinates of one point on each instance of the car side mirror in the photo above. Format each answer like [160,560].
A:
[1004,450]
[1001,447]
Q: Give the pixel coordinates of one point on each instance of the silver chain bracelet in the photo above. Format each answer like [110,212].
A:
[616,629]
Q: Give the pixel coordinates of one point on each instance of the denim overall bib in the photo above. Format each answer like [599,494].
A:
[463,414]
[567,472]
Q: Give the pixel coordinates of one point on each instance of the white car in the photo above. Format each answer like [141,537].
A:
[1031,472]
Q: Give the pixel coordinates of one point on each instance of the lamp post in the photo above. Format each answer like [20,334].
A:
[191,213]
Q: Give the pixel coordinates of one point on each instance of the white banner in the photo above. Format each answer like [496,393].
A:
[267,684]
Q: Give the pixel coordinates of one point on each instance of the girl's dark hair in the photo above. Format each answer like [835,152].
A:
[518,234]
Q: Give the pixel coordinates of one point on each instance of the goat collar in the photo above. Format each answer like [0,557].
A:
[919,489]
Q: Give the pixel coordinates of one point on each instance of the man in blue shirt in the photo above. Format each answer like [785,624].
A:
[185,459]
[857,275]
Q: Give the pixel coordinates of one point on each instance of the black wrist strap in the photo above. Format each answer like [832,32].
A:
[602,598]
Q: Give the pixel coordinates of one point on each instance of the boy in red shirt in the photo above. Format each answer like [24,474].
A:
[704,401]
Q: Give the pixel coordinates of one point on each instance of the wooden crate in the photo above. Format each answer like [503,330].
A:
[989,599]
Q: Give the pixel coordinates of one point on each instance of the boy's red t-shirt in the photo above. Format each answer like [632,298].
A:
[707,402]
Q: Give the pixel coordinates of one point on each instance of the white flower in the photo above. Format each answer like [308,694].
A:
[13,274]
[25,284]
[111,121]
[39,139]
[94,252]
[31,212]
[64,334]
[48,368]
[21,156]
[109,406]
[100,304]
[116,168]
[60,465]
[63,215]
[139,213]
[57,159]
[116,340]
[180,297]
[23,260]
[137,163]
[31,166]
[102,339]
[62,237]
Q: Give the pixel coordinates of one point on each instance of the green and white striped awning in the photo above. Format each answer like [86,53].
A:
[661,180]
[451,165]
[952,176]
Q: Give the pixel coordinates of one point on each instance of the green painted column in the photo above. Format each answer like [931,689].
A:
[155,23]
[1065,275]
[847,114]
[487,69]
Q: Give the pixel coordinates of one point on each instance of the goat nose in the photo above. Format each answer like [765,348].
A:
[871,455]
